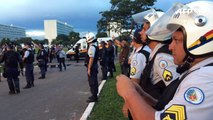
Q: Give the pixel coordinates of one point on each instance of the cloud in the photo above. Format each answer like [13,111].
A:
[35,34]
[30,14]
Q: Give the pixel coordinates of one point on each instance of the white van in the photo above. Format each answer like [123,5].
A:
[82,49]
[105,39]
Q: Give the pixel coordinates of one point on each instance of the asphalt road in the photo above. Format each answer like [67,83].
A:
[61,96]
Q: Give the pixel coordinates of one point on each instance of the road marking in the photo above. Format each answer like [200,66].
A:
[91,105]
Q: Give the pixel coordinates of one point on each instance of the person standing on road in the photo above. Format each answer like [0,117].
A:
[61,58]
[77,53]
[28,59]
[92,66]
[12,60]
[41,58]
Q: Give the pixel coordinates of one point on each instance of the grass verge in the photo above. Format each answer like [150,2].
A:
[109,106]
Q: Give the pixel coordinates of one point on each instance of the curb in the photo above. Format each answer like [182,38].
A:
[91,105]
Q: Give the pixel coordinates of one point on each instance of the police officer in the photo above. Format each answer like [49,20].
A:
[92,66]
[138,61]
[77,52]
[160,71]
[103,57]
[192,50]
[139,57]
[12,60]
[41,58]
[28,59]
[111,56]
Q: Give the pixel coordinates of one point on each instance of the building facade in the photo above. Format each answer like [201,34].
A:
[11,32]
[53,28]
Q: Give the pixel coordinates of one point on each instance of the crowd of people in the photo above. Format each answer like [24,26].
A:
[167,75]
[18,60]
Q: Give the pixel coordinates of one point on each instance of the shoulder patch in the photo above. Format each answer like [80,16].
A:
[132,71]
[167,75]
[194,95]
[163,64]
[174,112]
[90,53]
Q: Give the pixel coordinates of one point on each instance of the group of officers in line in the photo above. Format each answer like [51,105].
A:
[174,79]
[15,60]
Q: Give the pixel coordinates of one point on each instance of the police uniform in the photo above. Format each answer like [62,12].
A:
[12,61]
[138,63]
[93,80]
[159,72]
[41,57]
[193,96]
[163,68]
[29,67]
[92,49]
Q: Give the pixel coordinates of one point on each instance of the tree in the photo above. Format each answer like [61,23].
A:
[101,34]
[74,37]
[24,40]
[63,39]
[5,41]
[121,12]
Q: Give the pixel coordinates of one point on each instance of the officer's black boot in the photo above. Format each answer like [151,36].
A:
[17,87]
[11,86]
[92,99]
[27,86]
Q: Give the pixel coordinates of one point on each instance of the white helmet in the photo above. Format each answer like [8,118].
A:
[90,37]
[197,21]
[150,16]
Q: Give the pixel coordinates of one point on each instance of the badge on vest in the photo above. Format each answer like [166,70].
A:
[163,64]
[134,63]
[174,112]
[167,75]
[133,71]
[194,95]
[90,53]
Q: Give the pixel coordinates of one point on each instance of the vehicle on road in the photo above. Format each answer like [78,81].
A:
[82,49]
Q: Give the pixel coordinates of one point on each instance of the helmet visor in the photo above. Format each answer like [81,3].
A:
[139,17]
[159,29]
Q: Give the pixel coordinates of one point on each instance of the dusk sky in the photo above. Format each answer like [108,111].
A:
[81,14]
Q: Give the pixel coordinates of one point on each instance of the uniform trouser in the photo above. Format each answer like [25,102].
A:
[110,67]
[93,81]
[42,70]
[45,67]
[77,58]
[29,74]
[104,72]
[62,61]
[12,79]
[125,70]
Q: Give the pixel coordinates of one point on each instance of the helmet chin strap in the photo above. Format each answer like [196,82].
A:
[187,63]
[147,41]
